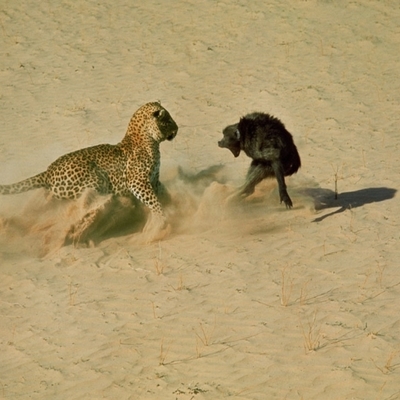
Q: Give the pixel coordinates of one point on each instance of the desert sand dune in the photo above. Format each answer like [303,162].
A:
[243,300]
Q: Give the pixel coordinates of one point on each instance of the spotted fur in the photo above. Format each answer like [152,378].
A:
[131,167]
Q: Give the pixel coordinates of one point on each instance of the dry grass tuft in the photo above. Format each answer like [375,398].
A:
[163,352]
[312,335]
[72,291]
[389,366]
[286,287]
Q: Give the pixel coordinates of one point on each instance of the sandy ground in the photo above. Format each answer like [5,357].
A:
[248,301]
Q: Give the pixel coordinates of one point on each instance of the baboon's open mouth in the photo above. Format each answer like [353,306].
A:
[235,150]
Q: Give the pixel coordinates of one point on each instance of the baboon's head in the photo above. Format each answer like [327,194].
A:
[231,139]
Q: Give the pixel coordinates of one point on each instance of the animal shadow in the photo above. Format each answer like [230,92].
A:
[325,198]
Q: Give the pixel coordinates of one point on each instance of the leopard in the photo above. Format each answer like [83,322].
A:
[128,168]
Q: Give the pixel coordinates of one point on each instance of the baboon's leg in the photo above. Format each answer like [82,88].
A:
[256,173]
[279,174]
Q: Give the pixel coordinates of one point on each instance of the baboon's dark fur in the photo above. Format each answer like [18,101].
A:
[266,140]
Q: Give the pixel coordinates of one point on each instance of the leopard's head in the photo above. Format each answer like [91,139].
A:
[157,122]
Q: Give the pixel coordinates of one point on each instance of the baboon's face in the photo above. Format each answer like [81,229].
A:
[231,139]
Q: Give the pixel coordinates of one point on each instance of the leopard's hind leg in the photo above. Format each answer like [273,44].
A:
[87,228]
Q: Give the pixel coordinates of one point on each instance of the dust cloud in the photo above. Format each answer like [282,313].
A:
[36,224]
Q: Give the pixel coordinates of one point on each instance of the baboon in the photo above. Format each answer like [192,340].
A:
[265,139]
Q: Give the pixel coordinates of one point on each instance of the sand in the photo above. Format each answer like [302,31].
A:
[240,301]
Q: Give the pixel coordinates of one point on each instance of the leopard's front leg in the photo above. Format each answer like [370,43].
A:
[143,191]
[156,227]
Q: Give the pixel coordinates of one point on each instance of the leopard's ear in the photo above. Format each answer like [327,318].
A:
[159,113]
[237,134]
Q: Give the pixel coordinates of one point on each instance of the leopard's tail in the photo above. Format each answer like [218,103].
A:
[35,182]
